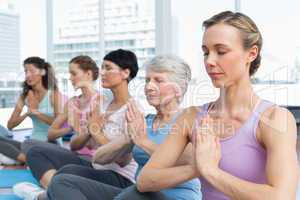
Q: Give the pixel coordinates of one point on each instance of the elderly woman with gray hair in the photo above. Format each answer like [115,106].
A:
[167,79]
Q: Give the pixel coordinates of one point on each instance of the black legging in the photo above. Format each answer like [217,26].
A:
[9,147]
[41,159]
[12,148]
[104,176]
[68,186]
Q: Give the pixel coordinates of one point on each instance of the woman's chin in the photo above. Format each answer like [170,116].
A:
[153,103]
[76,87]
[105,86]
[218,84]
[30,83]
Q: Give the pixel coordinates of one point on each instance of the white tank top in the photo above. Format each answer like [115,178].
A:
[113,128]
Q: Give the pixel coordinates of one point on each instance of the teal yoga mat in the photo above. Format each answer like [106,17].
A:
[9,197]
[9,177]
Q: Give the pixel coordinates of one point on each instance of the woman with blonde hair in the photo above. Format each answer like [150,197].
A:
[244,146]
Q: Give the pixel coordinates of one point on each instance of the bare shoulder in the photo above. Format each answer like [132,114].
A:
[277,117]
[277,123]
[55,96]
[72,99]
[71,103]
[185,121]
[191,111]
[55,93]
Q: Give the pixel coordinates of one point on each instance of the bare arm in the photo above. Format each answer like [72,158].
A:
[113,151]
[82,136]
[55,98]
[16,118]
[136,128]
[79,141]
[43,117]
[56,130]
[96,122]
[156,174]
[278,134]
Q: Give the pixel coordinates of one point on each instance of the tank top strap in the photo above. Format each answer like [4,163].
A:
[203,110]
[174,118]
[150,118]
[45,104]
[47,98]
[262,106]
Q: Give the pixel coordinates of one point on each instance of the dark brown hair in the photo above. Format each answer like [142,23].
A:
[48,79]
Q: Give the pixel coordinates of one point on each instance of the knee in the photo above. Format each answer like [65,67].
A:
[129,193]
[33,152]
[67,169]
[60,179]
[28,144]
[57,183]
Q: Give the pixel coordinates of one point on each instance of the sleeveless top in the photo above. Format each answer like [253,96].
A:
[189,190]
[241,154]
[40,129]
[84,112]
[115,127]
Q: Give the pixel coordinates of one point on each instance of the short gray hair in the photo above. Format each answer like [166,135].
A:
[179,71]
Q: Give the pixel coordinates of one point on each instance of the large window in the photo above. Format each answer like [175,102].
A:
[96,27]
[61,29]
[187,17]
[130,24]
[22,34]
[278,78]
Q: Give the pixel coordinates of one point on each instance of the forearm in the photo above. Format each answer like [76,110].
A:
[100,138]
[112,151]
[148,146]
[79,141]
[124,160]
[44,118]
[55,133]
[15,121]
[236,188]
[150,179]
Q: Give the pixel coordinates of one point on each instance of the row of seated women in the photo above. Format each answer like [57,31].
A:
[236,147]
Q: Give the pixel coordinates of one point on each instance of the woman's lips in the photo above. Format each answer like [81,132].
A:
[215,75]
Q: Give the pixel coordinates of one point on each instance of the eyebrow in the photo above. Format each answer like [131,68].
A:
[216,46]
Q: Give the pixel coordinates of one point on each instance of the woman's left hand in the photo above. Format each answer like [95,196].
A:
[207,148]
[96,119]
[136,124]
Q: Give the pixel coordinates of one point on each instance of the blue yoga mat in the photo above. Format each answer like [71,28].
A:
[9,177]
[9,197]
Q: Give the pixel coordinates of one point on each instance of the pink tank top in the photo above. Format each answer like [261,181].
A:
[88,150]
[242,155]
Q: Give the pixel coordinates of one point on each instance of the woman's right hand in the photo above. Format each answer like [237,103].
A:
[77,119]
[96,121]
